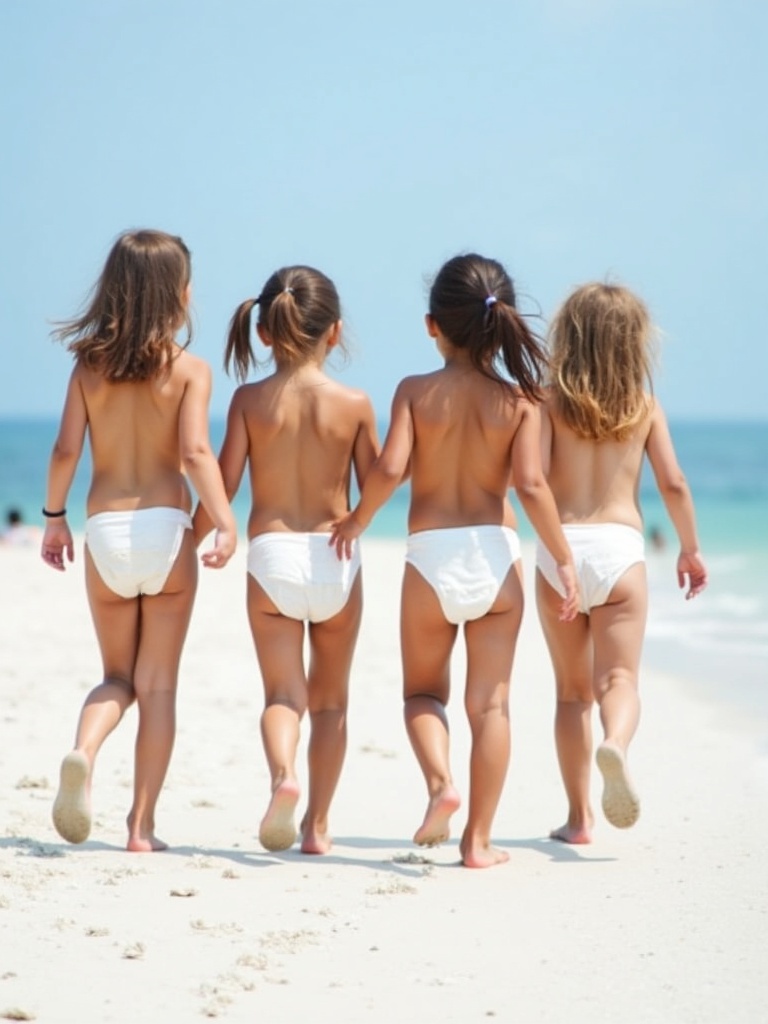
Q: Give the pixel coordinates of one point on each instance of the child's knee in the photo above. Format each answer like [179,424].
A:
[615,679]
[575,691]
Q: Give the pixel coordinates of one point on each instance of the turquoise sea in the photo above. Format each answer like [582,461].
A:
[717,643]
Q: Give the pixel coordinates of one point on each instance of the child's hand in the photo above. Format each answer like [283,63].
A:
[691,569]
[223,548]
[569,609]
[343,532]
[57,540]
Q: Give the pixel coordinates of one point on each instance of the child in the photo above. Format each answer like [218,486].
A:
[599,422]
[301,433]
[143,400]
[466,433]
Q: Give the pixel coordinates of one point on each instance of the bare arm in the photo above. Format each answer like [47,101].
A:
[367,448]
[202,468]
[546,439]
[232,459]
[57,538]
[676,495]
[536,498]
[383,478]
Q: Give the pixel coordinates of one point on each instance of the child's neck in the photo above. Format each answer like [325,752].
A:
[308,370]
[457,359]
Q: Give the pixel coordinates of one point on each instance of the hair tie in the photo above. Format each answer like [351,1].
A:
[257,302]
[490,300]
[288,290]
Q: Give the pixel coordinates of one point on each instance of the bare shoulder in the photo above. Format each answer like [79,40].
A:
[248,396]
[520,408]
[418,384]
[191,367]
[84,376]
[655,411]
[655,417]
[355,397]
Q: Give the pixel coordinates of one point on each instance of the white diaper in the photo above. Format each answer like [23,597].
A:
[602,553]
[465,566]
[302,574]
[135,551]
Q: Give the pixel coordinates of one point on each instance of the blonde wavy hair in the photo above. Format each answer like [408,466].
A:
[602,354]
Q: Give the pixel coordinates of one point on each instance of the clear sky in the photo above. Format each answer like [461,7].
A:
[571,139]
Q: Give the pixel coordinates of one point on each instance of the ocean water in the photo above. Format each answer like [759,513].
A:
[717,643]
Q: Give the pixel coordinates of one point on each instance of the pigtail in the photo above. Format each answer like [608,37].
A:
[239,349]
[297,306]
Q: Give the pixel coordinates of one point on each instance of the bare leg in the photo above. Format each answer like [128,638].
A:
[618,628]
[491,644]
[279,647]
[116,622]
[427,640]
[570,648]
[163,629]
[332,646]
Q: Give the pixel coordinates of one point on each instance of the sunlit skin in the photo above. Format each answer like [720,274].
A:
[145,438]
[462,437]
[596,656]
[299,417]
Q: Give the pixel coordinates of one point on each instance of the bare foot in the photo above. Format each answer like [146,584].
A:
[278,830]
[621,804]
[72,806]
[578,835]
[436,827]
[147,843]
[480,854]
[314,839]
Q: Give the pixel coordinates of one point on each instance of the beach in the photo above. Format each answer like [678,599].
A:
[665,922]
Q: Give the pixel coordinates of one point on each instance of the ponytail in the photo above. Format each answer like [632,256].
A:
[472,301]
[521,351]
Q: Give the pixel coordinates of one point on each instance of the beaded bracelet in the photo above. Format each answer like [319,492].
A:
[54,515]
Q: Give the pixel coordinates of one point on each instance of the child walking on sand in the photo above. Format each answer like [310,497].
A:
[467,433]
[599,423]
[143,401]
[301,434]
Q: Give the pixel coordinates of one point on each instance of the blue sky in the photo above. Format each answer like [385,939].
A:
[572,139]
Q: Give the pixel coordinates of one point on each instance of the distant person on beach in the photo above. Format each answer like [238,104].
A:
[143,401]
[657,539]
[16,532]
[468,434]
[302,435]
[599,422]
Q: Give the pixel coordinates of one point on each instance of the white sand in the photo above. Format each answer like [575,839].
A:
[665,922]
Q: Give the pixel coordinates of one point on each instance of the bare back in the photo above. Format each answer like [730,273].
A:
[135,436]
[463,428]
[301,433]
[594,481]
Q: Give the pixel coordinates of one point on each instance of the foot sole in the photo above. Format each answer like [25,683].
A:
[278,829]
[621,804]
[71,812]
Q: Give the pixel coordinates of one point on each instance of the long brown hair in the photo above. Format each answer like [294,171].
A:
[137,306]
[601,361]
[473,302]
[297,306]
